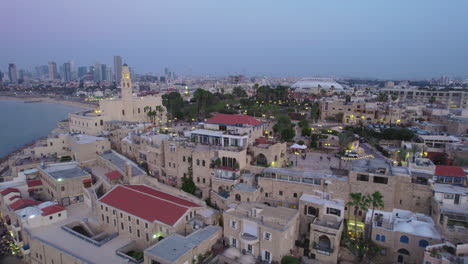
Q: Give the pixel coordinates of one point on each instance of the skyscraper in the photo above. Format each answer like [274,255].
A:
[12,73]
[117,68]
[82,71]
[53,74]
[97,72]
[103,72]
[67,72]
[108,74]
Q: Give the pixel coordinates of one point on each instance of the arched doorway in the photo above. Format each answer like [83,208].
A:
[324,243]
[401,257]
[262,160]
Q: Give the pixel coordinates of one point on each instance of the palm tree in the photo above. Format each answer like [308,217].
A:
[414,150]
[401,156]
[375,200]
[358,201]
[343,141]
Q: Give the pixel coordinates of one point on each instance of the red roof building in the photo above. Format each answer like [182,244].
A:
[9,190]
[14,197]
[113,175]
[449,171]
[234,120]
[34,183]
[22,203]
[147,203]
[52,209]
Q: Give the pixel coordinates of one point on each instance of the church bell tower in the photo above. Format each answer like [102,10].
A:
[126,83]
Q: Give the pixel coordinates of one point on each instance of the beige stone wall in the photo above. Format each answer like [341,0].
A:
[41,253]
[90,125]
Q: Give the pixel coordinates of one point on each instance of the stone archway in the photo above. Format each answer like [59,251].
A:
[262,160]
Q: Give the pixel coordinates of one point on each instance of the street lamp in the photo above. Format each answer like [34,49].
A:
[297,154]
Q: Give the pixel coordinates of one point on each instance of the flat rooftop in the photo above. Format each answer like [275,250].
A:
[54,236]
[119,161]
[301,173]
[68,170]
[446,188]
[372,165]
[175,246]
[85,139]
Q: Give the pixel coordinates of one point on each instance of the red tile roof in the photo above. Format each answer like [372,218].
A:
[147,203]
[14,197]
[113,175]
[225,119]
[22,203]
[453,171]
[52,209]
[33,183]
[8,190]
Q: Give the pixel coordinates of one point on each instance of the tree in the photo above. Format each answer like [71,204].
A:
[202,99]
[343,141]
[394,97]
[401,156]
[188,185]
[174,104]
[314,113]
[432,100]
[306,131]
[239,92]
[375,200]
[382,97]
[414,150]
[358,201]
[288,133]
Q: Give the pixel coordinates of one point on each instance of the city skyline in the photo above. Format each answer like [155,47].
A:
[397,40]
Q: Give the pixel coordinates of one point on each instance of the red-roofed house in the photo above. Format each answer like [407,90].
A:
[34,183]
[8,191]
[240,125]
[144,213]
[52,209]
[450,175]
[7,195]
[22,203]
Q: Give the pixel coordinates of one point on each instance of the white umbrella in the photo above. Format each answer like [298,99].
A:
[297,146]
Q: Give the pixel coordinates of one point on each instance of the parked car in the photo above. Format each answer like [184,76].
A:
[351,154]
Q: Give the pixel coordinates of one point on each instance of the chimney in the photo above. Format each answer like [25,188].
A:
[128,170]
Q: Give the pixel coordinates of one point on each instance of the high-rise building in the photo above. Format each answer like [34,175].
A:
[108,74]
[53,74]
[97,72]
[67,72]
[103,72]
[82,71]
[117,68]
[12,73]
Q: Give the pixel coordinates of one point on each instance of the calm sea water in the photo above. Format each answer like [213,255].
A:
[22,123]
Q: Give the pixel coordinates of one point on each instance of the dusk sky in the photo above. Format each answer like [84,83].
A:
[364,38]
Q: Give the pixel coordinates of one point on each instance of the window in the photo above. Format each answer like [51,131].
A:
[363,177]
[312,211]
[382,238]
[146,225]
[129,219]
[138,232]
[147,237]
[281,193]
[234,224]
[333,211]
[121,226]
[50,217]
[130,229]
[377,237]
[107,219]
[448,196]
[204,180]
[63,188]
[183,158]
[234,242]
[295,195]
[266,194]
[267,256]
[138,222]
[423,243]
[198,162]
[266,236]
[381,180]
[203,163]
[102,217]
[60,214]
[172,147]
[404,239]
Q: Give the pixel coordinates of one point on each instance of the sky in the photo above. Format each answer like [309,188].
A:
[398,39]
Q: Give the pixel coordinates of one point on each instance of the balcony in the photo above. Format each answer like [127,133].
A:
[248,238]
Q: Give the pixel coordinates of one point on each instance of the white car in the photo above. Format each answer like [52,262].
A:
[351,154]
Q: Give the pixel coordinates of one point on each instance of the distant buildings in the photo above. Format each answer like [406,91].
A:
[53,74]
[117,68]
[82,71]
[12,73]
[67,74]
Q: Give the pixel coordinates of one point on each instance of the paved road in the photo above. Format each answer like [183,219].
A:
[371,151]
[11,260]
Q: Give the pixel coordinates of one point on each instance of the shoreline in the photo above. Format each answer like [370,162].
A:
[82,106]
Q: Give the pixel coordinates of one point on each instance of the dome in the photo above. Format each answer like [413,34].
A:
[232,253]
[247,259]
[313,85]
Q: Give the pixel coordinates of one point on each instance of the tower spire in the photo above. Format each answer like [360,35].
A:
[126,83]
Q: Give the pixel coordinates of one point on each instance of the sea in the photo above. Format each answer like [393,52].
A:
[22,123]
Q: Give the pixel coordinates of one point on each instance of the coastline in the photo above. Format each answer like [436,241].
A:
[83,106]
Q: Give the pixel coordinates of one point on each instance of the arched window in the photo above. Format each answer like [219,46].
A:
[403,251]
[324,243]
[377,237]
[423,243]
[382,238]
[238,197]
[404,239]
